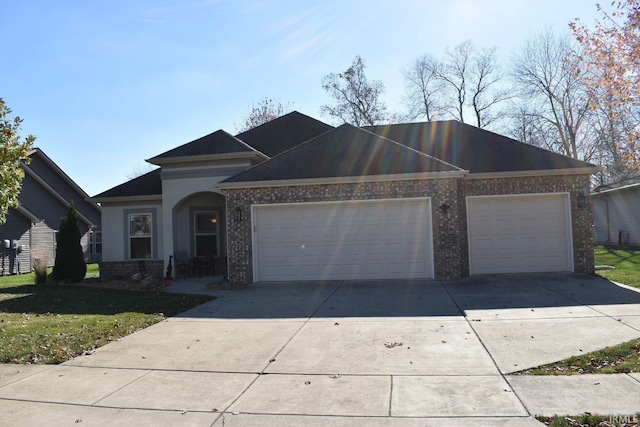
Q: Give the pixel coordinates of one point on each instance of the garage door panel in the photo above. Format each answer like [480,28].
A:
[510,234]
[373,239]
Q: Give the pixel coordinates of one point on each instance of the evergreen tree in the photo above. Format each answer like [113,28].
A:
[69,266]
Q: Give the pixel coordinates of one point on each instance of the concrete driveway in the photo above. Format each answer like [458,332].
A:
[348,353]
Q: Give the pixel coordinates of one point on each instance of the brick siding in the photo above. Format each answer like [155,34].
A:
[114,270]
[450,243]
[581,218]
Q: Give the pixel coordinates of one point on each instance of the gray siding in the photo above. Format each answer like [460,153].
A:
[43,243]
[52,178]
[38,239]
[39,201]
[17,228]
[618,210]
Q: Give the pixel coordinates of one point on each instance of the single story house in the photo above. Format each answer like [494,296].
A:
[30,230]
[616,210]
[297,199]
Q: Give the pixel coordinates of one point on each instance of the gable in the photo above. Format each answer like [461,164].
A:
[283,133]
[46,190]
[149,184]
[216,144]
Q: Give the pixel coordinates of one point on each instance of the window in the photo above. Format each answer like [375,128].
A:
[206,233]
[98,240]
[95,243]
[140,236]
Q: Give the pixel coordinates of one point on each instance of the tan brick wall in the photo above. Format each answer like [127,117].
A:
[581,218]
[450,244]
[445,231]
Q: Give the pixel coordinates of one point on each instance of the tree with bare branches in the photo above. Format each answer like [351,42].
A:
[424,88]
[263,111]
[357,100]
[466,80]
[556,99]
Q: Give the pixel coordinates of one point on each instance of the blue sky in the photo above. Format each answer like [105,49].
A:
[104,85]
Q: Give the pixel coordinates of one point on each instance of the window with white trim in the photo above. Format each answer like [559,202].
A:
[140,236]
[95,244]
[206,233]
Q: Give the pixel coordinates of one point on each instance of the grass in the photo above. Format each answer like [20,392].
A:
[623,358]
[590,420]
[49,324]
[625,261]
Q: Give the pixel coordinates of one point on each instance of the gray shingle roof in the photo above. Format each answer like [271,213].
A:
[148,184]
[283,133]
[346,151]
[218,142]
[474,149]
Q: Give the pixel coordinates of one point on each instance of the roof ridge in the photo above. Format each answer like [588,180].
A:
[407,147]
[285,151]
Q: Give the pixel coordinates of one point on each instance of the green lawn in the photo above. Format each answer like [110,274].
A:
[48,324]
[626,263]
[622,358]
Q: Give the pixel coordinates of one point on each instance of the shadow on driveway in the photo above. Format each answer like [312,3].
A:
[414,298]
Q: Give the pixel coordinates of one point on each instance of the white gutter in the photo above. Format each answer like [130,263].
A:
[543,172]
[119,199]
[343,180]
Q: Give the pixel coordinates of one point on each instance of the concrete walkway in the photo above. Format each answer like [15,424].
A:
[415,353]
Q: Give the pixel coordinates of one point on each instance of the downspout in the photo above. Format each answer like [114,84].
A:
[606,201]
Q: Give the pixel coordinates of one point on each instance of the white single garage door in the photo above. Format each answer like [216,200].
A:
[375,239]
[519,234]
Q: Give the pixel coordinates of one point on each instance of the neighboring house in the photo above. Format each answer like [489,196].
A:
[296,199]
[30,230]
[616,210]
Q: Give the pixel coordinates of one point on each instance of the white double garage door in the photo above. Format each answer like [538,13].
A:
[392,238]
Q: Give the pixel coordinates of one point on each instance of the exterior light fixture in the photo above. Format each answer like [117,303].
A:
[582,201]
[445,207]
[238,214]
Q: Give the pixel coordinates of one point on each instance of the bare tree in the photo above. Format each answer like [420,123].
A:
[263,111]
[545,74]
[139,169]
[424,88]
[467,80]
[455,73]
[485,93]
[525,125]
[357,100]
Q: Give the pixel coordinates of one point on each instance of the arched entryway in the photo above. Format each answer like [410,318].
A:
[199,234]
